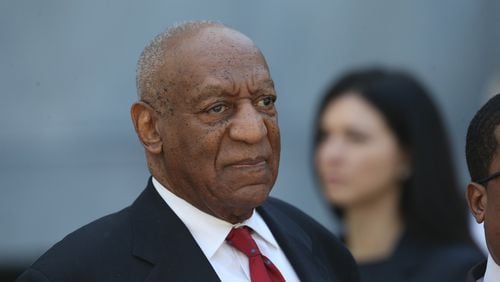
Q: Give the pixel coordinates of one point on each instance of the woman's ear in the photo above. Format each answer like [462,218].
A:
[477,199]
[145,124]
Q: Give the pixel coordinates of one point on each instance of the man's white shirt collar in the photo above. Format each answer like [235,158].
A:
[210,232]
[492,273]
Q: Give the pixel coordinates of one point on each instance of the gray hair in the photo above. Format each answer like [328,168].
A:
[153,57]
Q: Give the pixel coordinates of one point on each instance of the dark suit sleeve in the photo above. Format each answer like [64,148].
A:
[32,275]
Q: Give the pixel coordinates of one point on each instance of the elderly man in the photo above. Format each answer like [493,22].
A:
[483,192]
[207,120]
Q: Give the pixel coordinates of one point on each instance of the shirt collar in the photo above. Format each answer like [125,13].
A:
[209,231]
[260,228]
[492,272]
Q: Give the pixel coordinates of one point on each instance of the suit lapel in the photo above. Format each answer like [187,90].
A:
[477,272]
[160,238]
[295,243]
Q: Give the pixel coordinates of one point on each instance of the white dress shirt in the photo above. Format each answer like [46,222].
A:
[492,273]
[210,233]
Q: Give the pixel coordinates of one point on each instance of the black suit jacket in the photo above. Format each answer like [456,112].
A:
[148,242]
[476,272]
[417,261]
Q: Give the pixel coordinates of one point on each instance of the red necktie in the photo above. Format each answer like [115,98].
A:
[261,268]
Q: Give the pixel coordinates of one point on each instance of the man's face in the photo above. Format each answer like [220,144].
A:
[492,209]
[220,134]
[484,202]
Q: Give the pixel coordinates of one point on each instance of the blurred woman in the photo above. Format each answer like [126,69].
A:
[384,165]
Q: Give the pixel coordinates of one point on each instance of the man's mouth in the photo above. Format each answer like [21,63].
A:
[249,163]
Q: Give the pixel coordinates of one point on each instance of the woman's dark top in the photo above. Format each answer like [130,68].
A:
[416,261]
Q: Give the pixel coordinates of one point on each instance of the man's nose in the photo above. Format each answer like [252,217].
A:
[248,125]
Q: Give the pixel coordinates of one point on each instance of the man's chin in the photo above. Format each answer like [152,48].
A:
[242,207]
[253,195]
[238,205]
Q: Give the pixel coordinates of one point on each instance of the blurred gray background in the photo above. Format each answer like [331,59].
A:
[68,152]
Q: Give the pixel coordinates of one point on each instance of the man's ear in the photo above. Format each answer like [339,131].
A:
[477,200]
[145,124]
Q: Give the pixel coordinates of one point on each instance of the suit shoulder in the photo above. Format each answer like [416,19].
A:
[441,262]
[286,207]
[32,275]
[95,243]
[296,214]
[457,256]
[99,231]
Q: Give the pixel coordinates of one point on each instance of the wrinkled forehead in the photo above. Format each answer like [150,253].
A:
[216,49]
[215,54]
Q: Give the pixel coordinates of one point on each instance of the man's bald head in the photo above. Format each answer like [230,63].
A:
[164,64]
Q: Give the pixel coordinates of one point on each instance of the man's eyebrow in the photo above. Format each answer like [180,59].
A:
[210,91]
[269,83]
[262,86]
[213,88]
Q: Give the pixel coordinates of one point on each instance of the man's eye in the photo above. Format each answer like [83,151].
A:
[217,109]
[267,101]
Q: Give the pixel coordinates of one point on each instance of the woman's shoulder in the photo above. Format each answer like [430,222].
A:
[453,261]
[445,257]
[445,252]
[415,260]
[457,253]
[441,262]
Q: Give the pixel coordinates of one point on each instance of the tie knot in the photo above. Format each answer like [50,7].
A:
[241,239]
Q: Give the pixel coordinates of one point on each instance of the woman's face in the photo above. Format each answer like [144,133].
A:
[358,158]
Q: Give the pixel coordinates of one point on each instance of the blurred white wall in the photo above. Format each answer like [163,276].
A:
[68,153]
